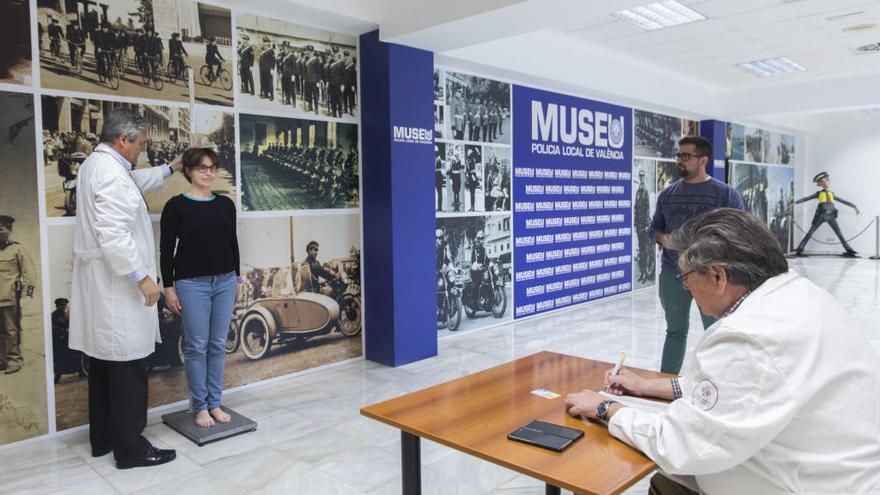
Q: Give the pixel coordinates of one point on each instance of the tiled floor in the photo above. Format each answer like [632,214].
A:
[311,439]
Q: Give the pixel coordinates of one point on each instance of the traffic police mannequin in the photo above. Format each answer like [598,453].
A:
[779,396]
[113,291]
[826,212]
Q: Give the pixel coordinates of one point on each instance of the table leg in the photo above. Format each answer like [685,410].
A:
[411,461]
[552,490]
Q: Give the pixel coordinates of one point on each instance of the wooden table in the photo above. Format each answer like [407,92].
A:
[475,413]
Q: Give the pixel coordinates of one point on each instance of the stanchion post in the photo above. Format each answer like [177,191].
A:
[876,238]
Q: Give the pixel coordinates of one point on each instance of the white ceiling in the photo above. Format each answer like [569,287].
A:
[691,68]
[739,31]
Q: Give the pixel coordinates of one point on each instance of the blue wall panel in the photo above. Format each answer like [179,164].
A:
[398,159]
[572,191]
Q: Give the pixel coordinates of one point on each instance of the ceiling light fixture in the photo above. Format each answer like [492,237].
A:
[771,67]
[659,15]
[858,28]
[869,48]
[838,17]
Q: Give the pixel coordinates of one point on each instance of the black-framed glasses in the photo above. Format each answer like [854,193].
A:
[683,278]
[206,170]
[687,156]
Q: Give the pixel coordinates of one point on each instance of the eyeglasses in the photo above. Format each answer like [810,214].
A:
[683,278]
[686,156]
[205,170]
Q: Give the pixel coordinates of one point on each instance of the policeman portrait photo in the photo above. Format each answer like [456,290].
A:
[23,399]
[644,200]
[16,281]
[497,177]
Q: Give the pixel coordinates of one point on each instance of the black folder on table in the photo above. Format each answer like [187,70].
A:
[546,435]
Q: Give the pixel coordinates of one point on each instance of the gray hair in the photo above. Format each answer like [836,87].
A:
[119,122]
[731,239]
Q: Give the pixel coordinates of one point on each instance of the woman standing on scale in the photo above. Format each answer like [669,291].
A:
[201,278]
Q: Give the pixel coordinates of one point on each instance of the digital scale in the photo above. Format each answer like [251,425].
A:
[183,422]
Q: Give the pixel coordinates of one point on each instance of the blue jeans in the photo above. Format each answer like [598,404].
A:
[207,304]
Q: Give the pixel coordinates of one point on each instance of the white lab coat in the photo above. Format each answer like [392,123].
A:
[113,238]
[782,396]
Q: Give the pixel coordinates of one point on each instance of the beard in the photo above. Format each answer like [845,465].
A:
[682,171]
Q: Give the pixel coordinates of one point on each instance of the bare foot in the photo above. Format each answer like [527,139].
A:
[220,415]
[204,419]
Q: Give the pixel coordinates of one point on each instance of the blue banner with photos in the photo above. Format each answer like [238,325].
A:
[572,186]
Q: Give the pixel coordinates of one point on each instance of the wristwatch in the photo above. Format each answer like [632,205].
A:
[602,409]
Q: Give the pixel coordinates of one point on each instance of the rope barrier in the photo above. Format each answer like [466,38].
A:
[835,243]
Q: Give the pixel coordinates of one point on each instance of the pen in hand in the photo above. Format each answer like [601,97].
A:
[617,368]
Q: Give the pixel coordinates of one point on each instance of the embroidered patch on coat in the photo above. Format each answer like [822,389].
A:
[705,395]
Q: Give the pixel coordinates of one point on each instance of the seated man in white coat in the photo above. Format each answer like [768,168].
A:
[781,395]
[113,318]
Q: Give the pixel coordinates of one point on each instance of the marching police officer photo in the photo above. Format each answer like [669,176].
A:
[304,71]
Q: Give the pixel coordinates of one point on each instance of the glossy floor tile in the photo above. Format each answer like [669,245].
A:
[311,439]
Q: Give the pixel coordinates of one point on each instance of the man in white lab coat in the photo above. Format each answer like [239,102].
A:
[113,319]
[781,395]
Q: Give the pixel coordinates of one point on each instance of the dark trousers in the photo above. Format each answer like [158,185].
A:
[438,185]
[349,100]
[644,251]
[316,96]
[118,406]
[818,220]
[661,485]
[285,89]
[10,335]
[291,90]
[247,81]
[266,89]
[335,97]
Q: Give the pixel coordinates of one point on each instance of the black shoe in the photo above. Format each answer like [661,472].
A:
[799,252]
[152,457]
[101,452]
[850,254]
[12,367]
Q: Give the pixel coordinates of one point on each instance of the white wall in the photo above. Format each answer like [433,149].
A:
[849,149]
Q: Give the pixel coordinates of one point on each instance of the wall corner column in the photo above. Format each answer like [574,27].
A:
[397,134]
[716,132]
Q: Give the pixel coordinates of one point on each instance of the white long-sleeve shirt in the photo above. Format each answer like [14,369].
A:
[781,396]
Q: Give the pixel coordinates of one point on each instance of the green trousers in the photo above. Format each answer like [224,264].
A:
[676,302]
